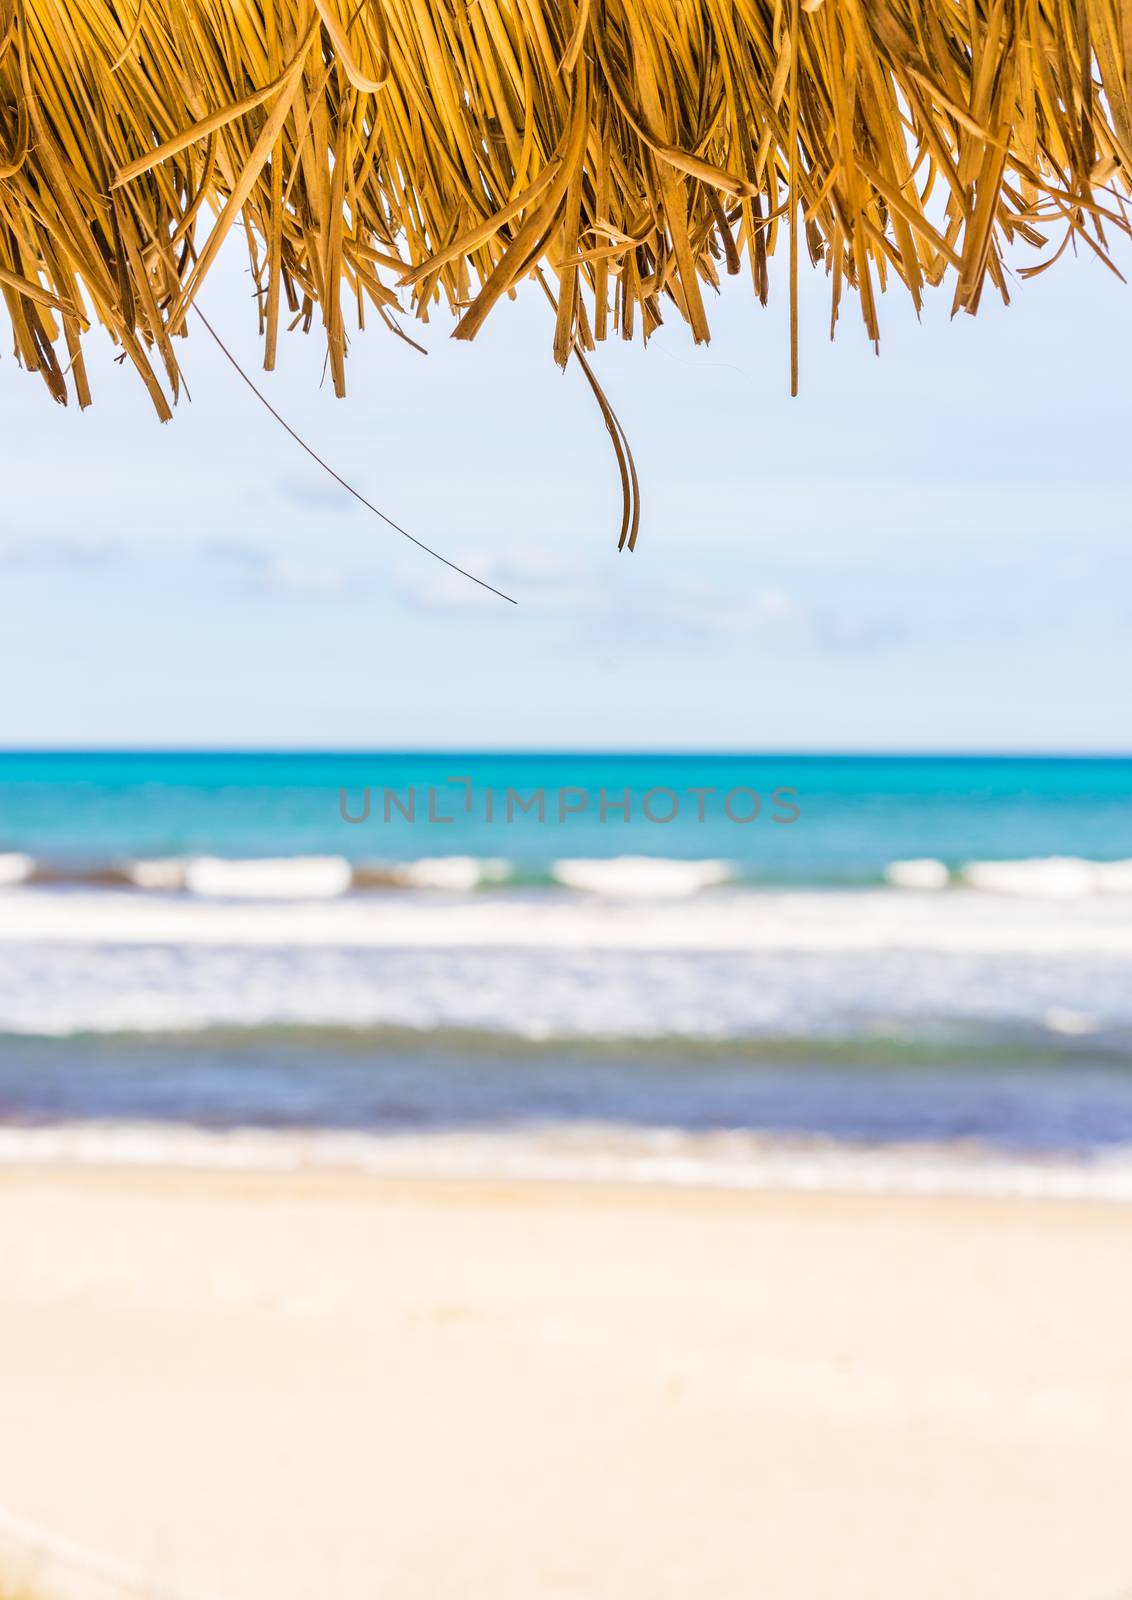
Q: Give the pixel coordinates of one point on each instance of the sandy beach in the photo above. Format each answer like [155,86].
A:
[259,1387]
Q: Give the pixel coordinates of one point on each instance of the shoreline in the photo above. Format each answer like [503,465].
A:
[581,1155]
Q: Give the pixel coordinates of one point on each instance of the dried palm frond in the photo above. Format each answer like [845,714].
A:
[397,152]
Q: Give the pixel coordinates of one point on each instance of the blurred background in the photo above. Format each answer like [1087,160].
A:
[912,583]
[893,951]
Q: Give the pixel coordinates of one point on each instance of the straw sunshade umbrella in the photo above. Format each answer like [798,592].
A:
[381,156]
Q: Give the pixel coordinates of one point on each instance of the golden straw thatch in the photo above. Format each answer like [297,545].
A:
[628,151]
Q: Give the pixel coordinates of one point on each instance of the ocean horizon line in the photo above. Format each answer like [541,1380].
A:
[501,752]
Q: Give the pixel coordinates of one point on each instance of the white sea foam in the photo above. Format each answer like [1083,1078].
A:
[1050,877]
[266,911]
[454,873]
[288,878]
[856,965]
[15,867]
[593,1154]
[924,873]
[641,877]
[1073,1024]
[166,873]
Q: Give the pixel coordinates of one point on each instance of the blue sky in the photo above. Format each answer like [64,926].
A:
[929,550]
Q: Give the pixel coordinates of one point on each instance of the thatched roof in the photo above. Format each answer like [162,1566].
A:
[629,151]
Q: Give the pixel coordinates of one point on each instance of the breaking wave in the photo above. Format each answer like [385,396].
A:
[1042,877]
[626,878]
[641,877]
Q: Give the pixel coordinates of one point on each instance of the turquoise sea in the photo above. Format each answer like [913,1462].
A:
[893,953]
[858,813]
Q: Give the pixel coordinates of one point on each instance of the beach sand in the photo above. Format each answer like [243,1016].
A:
[325,1385]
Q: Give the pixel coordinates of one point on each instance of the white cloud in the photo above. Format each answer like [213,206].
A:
[712,610]
[544,580]
[77,544]
[300,577]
